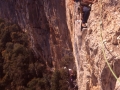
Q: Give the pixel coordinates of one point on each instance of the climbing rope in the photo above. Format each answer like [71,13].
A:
[101,28]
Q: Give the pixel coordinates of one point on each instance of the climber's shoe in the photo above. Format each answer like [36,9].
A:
[83,26]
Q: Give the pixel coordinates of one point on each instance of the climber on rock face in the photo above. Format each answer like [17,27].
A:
[85,10]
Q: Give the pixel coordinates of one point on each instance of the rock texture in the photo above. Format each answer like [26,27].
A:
[54,33]
[93,72]
[45,22]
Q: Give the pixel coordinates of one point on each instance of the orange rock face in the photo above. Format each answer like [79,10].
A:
[54,32]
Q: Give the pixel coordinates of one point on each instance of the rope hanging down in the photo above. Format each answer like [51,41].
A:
[101,28]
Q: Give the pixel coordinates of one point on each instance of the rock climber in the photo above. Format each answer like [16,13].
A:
[85,11]
[71,78]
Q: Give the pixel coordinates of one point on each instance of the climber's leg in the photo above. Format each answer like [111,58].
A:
[86,13]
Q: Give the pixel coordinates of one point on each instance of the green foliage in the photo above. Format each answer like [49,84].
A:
[19,38]
[64,74]
[20,70]
[37,84]
[64,79]
[15,64]
[67,61]
[55,80]
[60,80]
[63,85]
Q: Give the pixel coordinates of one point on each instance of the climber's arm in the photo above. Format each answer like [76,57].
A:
[90,1]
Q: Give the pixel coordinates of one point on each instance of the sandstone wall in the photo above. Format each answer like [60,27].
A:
[54,32]
[94,73]
[45,23]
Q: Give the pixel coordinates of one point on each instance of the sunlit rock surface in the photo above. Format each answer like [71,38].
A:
[54,32]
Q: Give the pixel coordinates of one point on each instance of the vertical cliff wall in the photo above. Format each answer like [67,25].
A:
[54,33]
[92,71]
[45,22]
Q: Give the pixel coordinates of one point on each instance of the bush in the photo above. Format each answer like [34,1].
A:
[55,80]
[67,61]
[20,70]
[36,83]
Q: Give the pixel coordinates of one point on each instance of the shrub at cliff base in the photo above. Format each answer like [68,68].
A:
[20,70]
[16,58]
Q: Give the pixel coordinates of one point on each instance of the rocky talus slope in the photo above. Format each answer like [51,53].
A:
[54,33]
